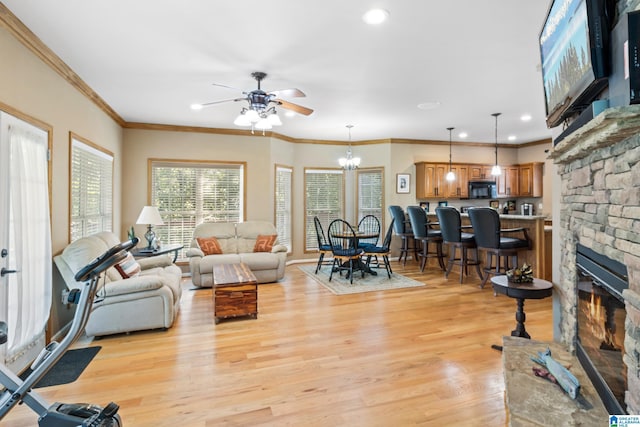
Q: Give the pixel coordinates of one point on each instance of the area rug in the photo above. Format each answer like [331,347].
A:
[68,368]
[370,283]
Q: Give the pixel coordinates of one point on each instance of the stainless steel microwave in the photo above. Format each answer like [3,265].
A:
[482,190]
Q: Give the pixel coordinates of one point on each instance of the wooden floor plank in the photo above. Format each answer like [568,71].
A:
[415,356]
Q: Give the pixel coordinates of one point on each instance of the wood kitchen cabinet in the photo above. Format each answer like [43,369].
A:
[430,180]
[523,180]
[460,187]
[508,183]
[480,173]
[530,180]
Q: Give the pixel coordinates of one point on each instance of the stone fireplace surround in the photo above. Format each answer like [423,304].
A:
[599,166]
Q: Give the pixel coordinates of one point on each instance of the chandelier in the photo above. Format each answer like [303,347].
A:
[349,163]
[450,175]
[495,170]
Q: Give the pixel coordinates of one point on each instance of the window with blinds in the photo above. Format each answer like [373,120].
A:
[324,198]
[187,194]
[370,191]
[283,190]
[91,188]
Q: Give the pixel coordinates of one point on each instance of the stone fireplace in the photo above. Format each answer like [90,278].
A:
[599,166]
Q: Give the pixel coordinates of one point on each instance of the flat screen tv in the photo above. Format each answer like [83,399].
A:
[574,50]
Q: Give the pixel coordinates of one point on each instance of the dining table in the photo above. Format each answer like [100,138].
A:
[352,241]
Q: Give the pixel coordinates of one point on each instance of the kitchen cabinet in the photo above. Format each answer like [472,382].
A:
[524,180]
[530,180]
[507,184]
[430,180]
[459,188]
[480,173]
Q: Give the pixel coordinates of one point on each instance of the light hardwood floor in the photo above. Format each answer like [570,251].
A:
[416,356]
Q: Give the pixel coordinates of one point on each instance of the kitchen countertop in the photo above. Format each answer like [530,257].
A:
[508,216]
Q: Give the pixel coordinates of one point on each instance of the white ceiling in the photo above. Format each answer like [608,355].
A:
[151,59]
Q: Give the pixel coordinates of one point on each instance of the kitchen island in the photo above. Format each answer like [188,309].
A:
[535,228]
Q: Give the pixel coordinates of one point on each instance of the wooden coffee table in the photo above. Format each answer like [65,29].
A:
[235,292]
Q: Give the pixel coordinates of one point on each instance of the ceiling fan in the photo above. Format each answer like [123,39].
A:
[261,113]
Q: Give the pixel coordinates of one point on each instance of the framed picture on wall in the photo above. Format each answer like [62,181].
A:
[403,182]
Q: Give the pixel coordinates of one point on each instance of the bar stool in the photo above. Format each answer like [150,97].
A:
[425,235]
[456,239]
[401,229]
[488,235]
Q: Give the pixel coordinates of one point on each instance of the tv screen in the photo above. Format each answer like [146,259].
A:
[574,55]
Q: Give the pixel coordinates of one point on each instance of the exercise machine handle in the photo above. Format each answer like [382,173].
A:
[112,256]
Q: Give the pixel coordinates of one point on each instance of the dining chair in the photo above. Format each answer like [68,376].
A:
[370,225]
[346,255]
[402,229]
[489,238]
[382,251]
[424,234]
[324,248]
[457,240]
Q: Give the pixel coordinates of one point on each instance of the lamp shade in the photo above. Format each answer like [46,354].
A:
[150,215]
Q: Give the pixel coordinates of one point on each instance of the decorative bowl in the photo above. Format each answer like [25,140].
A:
[522,274]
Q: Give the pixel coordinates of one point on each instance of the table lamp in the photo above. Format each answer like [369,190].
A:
[151,217]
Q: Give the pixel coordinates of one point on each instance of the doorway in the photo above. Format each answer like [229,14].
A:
[25,239]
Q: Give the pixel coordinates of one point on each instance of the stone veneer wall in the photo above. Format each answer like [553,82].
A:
[600,208]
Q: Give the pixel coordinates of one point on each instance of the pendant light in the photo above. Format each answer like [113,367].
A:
[495,170]
[349,163]
[450,175]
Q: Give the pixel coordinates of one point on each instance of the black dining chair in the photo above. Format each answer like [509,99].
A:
[382,251]
[489,238]
[402,229]
[424,234]
[370,225]
[457,240]
[324,248]
[346,256]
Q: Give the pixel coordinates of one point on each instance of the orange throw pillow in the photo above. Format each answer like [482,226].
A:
[209,245]
[128,267]
[264,243]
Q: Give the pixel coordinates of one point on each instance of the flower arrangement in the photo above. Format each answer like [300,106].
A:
[523,274]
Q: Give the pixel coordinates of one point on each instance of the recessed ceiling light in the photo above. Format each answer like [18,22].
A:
[430,105]
[525,117]
[290,114]
[512,138]
[375,16]
[463,135]
[196,106]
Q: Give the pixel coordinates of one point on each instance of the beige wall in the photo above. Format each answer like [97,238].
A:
[32,88]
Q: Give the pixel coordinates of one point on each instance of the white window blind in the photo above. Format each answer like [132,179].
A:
[283,189]
[370,190]
[187,194]
[323,198]
[91,184]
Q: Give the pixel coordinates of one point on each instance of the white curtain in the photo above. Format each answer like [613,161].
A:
[28,293]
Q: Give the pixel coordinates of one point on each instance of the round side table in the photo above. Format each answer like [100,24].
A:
[537,289]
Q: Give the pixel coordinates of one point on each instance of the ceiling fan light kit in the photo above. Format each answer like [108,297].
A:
[260,114]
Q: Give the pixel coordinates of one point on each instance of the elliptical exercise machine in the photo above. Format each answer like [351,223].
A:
[64,414]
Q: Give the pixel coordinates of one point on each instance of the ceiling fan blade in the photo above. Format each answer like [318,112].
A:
[222,101]
[227,87]
[289,93]
[293,107]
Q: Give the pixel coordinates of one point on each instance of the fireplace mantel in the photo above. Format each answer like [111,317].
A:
[611,126]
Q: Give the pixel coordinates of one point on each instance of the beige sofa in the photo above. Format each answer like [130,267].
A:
[149,300]
[237,241]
